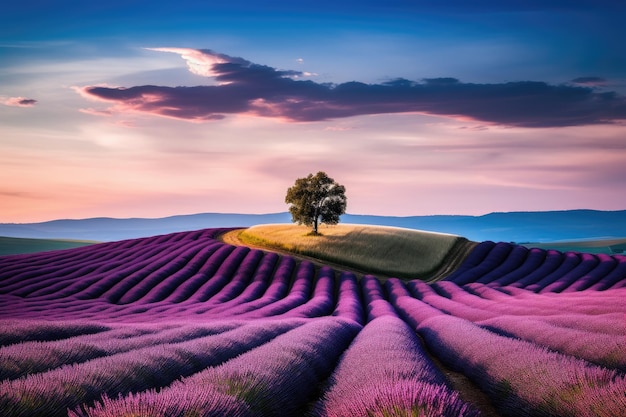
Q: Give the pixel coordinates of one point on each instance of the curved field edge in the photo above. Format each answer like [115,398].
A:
[383,251]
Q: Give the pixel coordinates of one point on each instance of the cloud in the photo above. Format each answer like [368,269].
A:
[243,87]
[21,194]
[96,112]
[11,193]
[19,102]
[591,81]
[201,61]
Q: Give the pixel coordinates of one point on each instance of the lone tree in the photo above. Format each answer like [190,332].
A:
[316,199]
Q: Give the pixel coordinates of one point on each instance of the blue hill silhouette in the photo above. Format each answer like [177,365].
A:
[517,227]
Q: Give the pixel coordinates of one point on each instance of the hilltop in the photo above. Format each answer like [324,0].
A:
[365,249]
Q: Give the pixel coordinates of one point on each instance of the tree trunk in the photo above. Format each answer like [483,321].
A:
[316,217]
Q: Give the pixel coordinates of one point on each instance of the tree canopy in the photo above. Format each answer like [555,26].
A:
[316,199]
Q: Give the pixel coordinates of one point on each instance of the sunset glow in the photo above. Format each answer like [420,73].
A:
[151,110]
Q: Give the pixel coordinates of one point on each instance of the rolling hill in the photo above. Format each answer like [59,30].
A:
[183,324]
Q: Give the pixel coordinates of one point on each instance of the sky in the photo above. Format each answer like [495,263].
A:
[149,109]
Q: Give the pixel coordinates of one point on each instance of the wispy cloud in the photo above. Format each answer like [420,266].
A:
[96,112]
[591,81]
[243,87]
[4,193]
[19,102]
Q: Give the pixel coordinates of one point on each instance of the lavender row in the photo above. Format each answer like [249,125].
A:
[374,299]
[19,268]
[298,294]
[265,293]
[151,273]
[404,302]
[185,401]
[599,348]
[213,277]
[589,301]
[502,264]
[279,378]
[385,372]
[455,301]
[427,294]
[240,279]
[12,264]
[585,343]
[592,311]
[255,288]
[311,295]
[14,331]
[610,323]
[52,393]
[349,304]
[515,301]
[164,261]
[124,289]
[57,275]
[32,357]
[201,279]
[322,300]
[108,287]
[448,298]
[217,277]
[275,290]
[85,260]
[227,266]
[521,378]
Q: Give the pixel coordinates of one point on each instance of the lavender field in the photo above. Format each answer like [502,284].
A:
[185,325]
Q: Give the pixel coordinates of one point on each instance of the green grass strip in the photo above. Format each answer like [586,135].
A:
[390,251]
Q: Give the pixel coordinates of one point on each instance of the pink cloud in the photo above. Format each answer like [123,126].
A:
[199,62]
[96,112]
[590,81]
[252,89]
[337,128]
[19,102]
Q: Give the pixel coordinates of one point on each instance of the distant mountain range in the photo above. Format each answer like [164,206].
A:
[519,227]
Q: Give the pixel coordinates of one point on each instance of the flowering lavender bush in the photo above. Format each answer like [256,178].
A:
[276,290]
[537,270]
[386,371]
[276,379]
[524,379]
[30,357]
[349,304]
[51,393]
[374,298]
[600,348]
